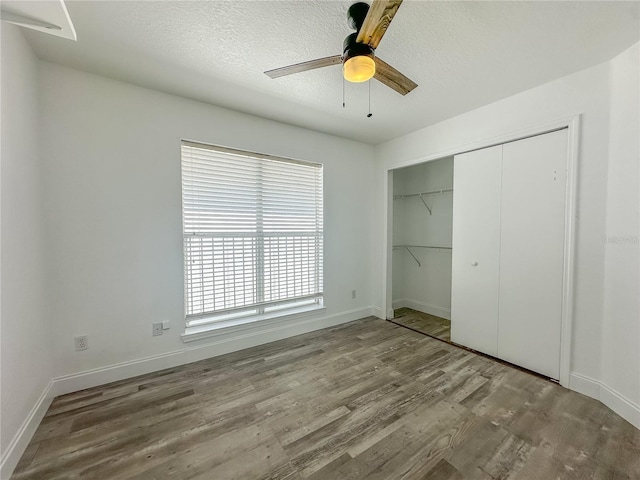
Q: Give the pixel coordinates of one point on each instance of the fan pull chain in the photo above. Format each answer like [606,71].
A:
[369,114]
[343,102]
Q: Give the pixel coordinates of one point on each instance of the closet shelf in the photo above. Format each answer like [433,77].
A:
[409,247]
[432,192]
[422,194]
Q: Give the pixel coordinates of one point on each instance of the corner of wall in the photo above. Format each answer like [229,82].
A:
[620,368]
[26,327]
[22,437]
[623,406]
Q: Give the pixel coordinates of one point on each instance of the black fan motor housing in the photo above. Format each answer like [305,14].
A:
[351,48]
[356,15]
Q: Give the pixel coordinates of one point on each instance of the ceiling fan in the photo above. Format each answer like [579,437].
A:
[358,54]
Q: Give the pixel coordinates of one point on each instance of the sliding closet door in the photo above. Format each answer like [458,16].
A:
[534,183]
[475,254]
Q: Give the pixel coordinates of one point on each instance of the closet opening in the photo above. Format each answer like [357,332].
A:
[422,221]
[480,249]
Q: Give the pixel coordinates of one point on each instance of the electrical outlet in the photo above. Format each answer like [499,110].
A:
[353,294]
[82,343]
[166,325]
[157,329]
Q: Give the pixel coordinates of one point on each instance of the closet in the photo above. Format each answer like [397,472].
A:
[422,222]
[509,208]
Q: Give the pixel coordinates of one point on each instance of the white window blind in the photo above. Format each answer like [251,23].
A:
[253,233]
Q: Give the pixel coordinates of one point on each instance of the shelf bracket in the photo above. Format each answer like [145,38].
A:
[425,204]
[411,253]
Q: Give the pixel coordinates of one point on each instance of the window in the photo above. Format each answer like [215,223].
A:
[253,234]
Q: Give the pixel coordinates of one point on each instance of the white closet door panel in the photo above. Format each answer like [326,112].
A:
[475,254]
[532,252]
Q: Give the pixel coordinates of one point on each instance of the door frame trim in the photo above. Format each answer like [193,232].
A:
[572,124]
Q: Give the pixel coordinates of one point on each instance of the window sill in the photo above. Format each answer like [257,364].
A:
[192,334]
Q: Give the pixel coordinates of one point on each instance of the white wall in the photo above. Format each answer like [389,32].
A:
[427,287]
[25,325]
[108,246]
[114,228]
[621,319]
[586,93]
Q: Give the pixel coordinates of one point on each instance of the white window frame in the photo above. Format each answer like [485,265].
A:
[202,324]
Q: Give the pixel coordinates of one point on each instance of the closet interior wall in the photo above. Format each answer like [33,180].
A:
[423,283]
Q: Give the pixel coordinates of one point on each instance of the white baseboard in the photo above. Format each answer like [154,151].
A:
[617,402]
[378,312]
[584,385]
[21,439]
[398,304]
[620,404]
[113,373]
[423,307]
[208,348]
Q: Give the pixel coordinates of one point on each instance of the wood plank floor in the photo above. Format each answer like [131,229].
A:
[366,400]
[431,325]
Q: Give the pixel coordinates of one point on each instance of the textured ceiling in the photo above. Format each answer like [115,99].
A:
[462,54]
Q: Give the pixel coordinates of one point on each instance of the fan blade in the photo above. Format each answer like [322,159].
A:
[392,78]
[304,66]
[377,21]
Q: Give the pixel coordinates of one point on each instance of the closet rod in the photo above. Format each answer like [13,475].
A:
[433,192]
